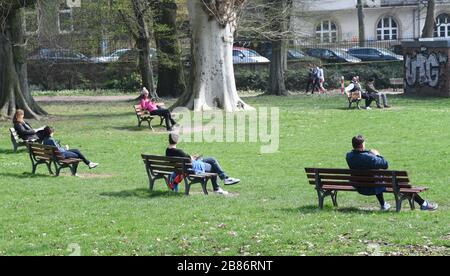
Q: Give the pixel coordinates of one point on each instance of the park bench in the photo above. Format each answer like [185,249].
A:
[161,167]
[328,182]
[144,116]
[16,140]
[48,155]
[396,82]
[353,97]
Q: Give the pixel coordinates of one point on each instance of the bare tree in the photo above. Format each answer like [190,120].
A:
[14,90]
[171,79]
[278,13]
[430,22]
[212,82]
[361,25]
[138,27]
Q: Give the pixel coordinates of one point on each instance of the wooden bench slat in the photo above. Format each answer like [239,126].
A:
[357,172]
[357,178]
[361,184]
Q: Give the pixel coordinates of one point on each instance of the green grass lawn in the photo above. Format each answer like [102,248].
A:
[109,211]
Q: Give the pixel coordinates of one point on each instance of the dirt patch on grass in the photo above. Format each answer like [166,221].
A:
[377,248]
[90,175]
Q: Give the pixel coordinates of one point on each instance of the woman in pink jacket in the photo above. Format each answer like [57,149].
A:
[151,106]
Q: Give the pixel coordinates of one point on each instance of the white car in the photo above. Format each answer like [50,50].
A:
[113,57]
[244,55]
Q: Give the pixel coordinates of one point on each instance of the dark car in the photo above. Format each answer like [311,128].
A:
[292,54]
[332,55]
[58,55]
[374,54]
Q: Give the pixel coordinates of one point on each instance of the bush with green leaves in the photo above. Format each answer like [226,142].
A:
[296,80]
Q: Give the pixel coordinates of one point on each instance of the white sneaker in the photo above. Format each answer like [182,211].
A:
[386,207]
[220,191]
[93,165]
[231,181]
[368,108]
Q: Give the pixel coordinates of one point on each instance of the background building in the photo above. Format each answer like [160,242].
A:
[329,21]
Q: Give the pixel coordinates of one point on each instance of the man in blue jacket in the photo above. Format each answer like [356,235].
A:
[361,159]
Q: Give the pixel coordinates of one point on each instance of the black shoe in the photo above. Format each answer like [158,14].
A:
[387,106]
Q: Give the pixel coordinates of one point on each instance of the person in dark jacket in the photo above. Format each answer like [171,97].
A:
[361,159]
[65,151]
[24,130]
[210,165]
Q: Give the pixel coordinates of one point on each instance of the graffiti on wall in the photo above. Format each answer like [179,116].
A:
[425,68]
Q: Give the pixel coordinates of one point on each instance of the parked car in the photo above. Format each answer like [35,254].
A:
[397,49]
[374,54]
[113,57]
[133,55]
[332,55]
[292,54]
[58,55]
[244,55]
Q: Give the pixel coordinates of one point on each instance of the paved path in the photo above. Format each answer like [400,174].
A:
[63,99]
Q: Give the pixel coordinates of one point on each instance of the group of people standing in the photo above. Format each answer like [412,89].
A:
[316,79]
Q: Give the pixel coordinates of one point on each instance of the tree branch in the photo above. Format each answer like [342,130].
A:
[128,24]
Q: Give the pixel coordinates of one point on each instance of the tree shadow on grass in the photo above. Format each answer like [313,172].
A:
[314,209]
[157,128]
[25,175]
[142,193]
[10,151]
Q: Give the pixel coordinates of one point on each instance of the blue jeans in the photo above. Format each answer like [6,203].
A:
[213,166]
[74,153]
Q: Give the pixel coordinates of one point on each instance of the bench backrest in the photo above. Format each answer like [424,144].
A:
[42,152]
[139,111]
[358,178]
[14,135]
[166,165]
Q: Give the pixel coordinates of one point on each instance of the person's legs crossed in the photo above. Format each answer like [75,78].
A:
[215,167]
[74,153]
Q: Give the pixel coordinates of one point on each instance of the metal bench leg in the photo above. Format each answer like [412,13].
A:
[187,186]
[33,170]
[150,125]
[49,166]
[398,203]
[411,200]
[334,198]
[74,169]
[321,199]
[204,183]
[151,183]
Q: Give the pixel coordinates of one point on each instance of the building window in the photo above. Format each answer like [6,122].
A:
[443,26]
[31,21]
[65,19]
[387,29]
[326,32]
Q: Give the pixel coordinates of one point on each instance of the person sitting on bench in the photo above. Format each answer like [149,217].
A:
[211,165]
[362,159]
[355,86]
[372,91]
[65,151]
[24,130]
[155,110]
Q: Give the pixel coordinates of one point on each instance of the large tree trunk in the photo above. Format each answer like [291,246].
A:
[428,29]
[171,78]
[361,24]
[277,12]
[277,84]
[143,45]
[212,82]
[14,92]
